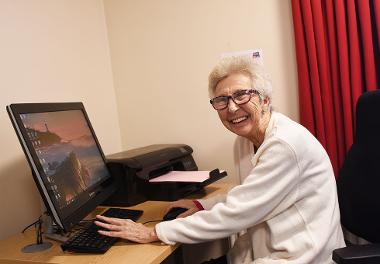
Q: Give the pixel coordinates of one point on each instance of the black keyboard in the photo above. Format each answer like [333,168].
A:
[90,241]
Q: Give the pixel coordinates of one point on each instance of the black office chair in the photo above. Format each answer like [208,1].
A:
[359,185]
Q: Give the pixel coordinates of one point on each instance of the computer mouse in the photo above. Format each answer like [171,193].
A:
[173,213]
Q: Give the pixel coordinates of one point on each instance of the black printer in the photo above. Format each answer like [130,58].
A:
[134,168]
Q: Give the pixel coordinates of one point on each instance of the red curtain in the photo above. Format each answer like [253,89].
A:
[338,58]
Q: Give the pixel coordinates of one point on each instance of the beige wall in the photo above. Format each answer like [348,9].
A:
[50,51]
[162,52]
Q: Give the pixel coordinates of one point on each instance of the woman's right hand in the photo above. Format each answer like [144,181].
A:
[188,204]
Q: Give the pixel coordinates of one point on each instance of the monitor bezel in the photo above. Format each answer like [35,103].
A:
[98,193]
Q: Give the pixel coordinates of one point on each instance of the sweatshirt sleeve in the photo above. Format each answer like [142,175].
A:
[210,202]
[270,188]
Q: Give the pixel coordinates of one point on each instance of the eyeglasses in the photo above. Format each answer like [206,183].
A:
[239,97]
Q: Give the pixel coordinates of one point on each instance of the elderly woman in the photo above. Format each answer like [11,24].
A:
[285,208]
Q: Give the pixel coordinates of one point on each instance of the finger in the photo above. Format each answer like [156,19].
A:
[111,220]
[180,203]
[101,224]
[187,213]
[170,206]
[110,233]
[182,215]
[167,209]
[108,226]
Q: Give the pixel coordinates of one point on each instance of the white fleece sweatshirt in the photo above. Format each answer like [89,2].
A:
[285,209]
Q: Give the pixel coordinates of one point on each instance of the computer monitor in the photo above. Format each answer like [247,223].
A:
[67,162]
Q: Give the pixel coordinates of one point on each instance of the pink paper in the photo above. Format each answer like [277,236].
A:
[183,176]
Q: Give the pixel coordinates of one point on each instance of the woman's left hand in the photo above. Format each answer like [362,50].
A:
[126,229]
[183,203]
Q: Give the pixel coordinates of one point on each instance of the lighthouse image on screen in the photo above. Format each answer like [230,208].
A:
[67,152]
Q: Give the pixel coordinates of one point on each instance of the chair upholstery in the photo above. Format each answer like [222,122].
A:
[359,181]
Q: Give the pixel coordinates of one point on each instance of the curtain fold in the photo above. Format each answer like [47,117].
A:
[337,49]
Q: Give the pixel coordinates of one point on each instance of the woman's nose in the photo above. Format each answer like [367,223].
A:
[232,106]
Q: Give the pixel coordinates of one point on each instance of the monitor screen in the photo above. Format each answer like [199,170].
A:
[66,159]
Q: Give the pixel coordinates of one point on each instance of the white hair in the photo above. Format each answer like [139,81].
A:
[260,80]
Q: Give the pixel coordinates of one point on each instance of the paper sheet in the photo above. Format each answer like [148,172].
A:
[183,176]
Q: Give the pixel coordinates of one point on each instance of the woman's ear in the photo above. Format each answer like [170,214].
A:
[266,102]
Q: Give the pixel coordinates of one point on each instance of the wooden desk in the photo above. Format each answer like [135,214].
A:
[121,252]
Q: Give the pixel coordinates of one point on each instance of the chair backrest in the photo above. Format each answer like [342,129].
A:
[359,179]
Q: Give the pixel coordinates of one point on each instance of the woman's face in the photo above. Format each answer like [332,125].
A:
[243,119]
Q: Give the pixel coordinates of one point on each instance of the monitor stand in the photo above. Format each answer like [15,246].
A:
[36,247]
[45,228]
[51,232]
[40,245]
